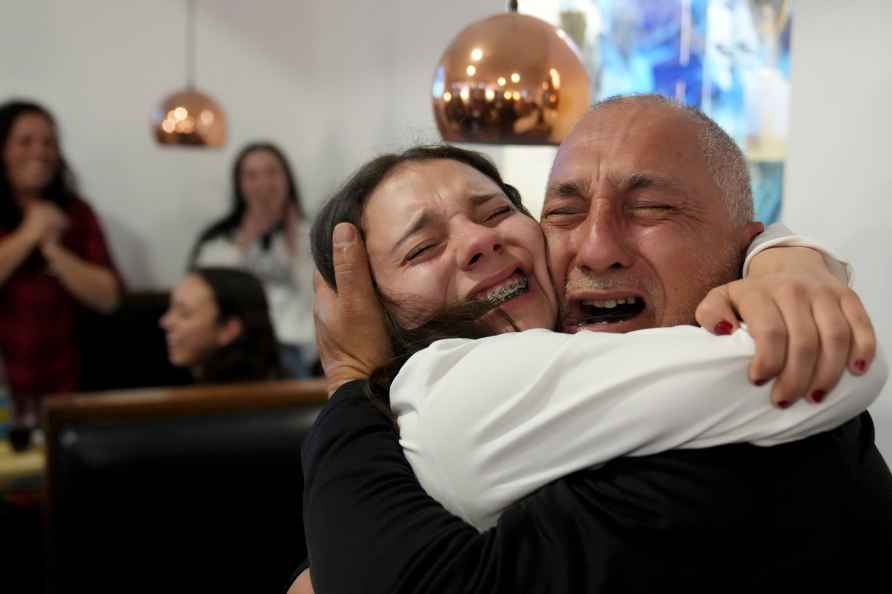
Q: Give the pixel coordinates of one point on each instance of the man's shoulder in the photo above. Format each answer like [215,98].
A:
[348,413]
[724,484]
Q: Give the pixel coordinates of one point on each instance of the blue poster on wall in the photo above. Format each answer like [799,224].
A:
[730,58]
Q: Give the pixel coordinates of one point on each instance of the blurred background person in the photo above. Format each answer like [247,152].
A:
[219,327]
[265,233]
[54,261]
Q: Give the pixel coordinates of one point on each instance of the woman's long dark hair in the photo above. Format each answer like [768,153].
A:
[62,188]
[347,206]
[254,354]
[231,221]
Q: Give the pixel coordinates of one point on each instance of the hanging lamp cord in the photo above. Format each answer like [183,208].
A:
[190,44]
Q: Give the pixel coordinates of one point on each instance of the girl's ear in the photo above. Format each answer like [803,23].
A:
[229,331]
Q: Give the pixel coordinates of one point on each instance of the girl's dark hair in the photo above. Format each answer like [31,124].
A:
[62,188]
[347,206]
[233,218]
[254,354]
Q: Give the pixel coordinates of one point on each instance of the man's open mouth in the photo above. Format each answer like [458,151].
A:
[608,311]
[514,286]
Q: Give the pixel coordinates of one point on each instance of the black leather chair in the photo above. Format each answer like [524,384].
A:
[178,490]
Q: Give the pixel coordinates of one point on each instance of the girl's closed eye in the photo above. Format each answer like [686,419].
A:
[416,253]
[499,212]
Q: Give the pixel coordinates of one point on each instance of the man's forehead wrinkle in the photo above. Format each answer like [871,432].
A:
[642,178]
[595,152]
[605,133]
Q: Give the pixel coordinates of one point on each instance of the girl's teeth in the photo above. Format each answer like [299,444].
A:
[515,285]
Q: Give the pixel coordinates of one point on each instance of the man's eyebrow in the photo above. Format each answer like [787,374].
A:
[569,189]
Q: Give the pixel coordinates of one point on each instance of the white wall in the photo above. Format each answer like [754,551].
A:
[839,182]
[336,81]
[332,81]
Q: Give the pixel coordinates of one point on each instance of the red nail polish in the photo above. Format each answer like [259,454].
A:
[860,365]
[784,404]
[760,382]
[818,396]
[724,327]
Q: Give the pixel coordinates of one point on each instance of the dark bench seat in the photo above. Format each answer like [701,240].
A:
[178,490]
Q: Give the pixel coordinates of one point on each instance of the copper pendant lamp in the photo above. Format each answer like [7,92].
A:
[189,117]
[510,79]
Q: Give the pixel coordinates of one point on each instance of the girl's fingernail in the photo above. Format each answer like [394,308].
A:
[861,365]
[760,382]
[784,404]
[724,327]
[818,396]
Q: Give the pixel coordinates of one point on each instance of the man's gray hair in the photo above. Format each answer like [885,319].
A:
[723,157]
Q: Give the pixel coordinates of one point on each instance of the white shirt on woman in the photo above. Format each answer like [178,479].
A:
[286,279]
[485,422]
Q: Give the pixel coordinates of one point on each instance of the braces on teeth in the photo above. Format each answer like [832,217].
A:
[508,291]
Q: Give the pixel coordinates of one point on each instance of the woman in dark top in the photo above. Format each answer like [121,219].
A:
[218,326]
[54,261]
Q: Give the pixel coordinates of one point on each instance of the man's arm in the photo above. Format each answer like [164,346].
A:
[371,528]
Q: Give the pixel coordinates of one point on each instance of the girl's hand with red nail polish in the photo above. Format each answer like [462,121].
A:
[808,326]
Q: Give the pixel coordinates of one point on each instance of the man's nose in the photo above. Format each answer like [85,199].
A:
[602,244]
[478,243]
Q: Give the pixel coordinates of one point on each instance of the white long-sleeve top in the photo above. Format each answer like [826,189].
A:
[778,235]
[287,280]
[485,422]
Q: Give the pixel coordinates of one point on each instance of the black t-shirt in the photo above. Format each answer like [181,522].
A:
[808,515]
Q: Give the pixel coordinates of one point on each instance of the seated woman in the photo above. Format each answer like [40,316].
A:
[264,233]
[54,261]
[218,326]
[486,422]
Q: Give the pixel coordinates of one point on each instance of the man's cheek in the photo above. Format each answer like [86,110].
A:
[557,269]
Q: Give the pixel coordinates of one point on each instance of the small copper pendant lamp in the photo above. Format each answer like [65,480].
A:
[189,117]
[510,79]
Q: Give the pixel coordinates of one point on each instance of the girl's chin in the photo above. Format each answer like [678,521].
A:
[528,311]
[520,319]
[533,324]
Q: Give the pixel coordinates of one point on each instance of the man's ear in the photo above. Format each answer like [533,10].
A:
[750,230]
[229,331]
